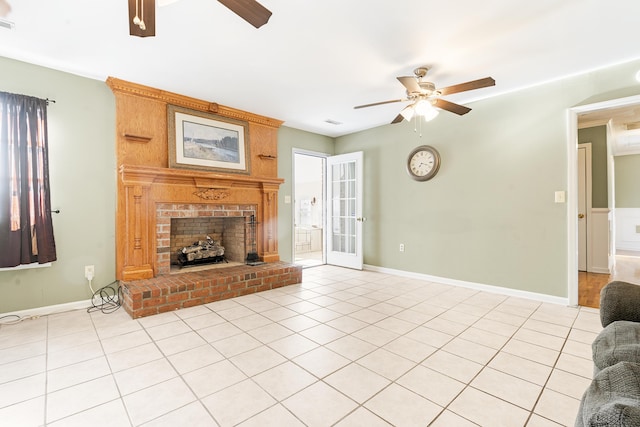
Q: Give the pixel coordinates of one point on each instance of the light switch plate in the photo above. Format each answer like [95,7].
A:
[287,199]
[560,197]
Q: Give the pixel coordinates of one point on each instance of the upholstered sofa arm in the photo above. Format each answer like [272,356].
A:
[619,301]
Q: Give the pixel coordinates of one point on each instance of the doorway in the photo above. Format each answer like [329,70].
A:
[309,209]
[621,265]
[327,226]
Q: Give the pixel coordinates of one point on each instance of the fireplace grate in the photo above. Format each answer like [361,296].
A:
[218,259]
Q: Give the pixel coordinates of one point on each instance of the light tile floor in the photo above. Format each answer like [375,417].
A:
[344,348]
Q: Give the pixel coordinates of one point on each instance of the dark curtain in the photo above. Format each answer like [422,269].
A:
[26,230]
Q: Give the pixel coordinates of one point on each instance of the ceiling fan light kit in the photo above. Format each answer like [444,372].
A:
[425,109]
[408,112]
[426,99]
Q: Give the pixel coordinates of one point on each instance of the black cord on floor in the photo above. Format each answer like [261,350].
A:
[17,320]
[106,299]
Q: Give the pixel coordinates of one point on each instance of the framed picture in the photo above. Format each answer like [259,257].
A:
[204,141]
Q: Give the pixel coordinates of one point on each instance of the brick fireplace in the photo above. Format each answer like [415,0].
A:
[150,194]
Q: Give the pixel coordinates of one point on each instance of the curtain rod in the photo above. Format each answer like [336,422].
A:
[46,99]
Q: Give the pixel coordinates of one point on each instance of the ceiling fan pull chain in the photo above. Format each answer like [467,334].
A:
[416,119]
[136,19]
[142,24]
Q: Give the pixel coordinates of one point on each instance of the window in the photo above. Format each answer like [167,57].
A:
[26,230]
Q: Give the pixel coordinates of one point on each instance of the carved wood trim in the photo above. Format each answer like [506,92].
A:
[123,86]
[212,194]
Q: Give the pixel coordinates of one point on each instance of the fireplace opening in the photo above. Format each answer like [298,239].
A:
[207,241]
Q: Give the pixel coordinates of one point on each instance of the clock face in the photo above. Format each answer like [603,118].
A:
[423,163]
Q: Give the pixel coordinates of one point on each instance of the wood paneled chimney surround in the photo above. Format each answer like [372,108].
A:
[146,182]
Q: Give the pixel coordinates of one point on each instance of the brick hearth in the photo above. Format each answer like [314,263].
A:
[174,291]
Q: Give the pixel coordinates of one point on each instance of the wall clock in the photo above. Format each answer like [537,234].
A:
[423,163]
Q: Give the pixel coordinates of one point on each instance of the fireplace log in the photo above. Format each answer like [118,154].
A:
[201,252]
[191,249]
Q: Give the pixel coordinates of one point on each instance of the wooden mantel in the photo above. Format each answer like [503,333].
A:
[146,181]
[140,174]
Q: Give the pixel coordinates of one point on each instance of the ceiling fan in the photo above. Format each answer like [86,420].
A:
[142,14]
[424,96]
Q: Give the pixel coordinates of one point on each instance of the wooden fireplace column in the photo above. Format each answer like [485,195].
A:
[145,180]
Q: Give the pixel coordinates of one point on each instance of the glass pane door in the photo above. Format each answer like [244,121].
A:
[345,210]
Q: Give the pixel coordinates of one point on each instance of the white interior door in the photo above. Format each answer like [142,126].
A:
[584,204]
[344,210]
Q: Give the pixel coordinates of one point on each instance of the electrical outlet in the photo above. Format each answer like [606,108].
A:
[89,272]
[401,247]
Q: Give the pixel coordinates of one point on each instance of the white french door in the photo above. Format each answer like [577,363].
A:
[344,210]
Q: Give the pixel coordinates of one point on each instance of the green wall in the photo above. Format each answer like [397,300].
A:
[83,186]
[489,215]
[627,171]
[597,136]
[627,181]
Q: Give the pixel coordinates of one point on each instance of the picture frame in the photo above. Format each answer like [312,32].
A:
[205,141]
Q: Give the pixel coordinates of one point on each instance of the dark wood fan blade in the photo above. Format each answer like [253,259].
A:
[249,10]
[410,83]
[462,87]
[398,119]
[145,11]
[379,103]
[450,106]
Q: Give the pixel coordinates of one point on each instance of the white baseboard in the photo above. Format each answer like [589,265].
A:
[83,305]
[600,270]
[49,309]
[471,285]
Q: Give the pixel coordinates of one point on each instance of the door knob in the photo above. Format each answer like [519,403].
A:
[580,216]
[361,219]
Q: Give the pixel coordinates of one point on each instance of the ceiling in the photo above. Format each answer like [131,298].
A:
[621,118]
[315,60]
